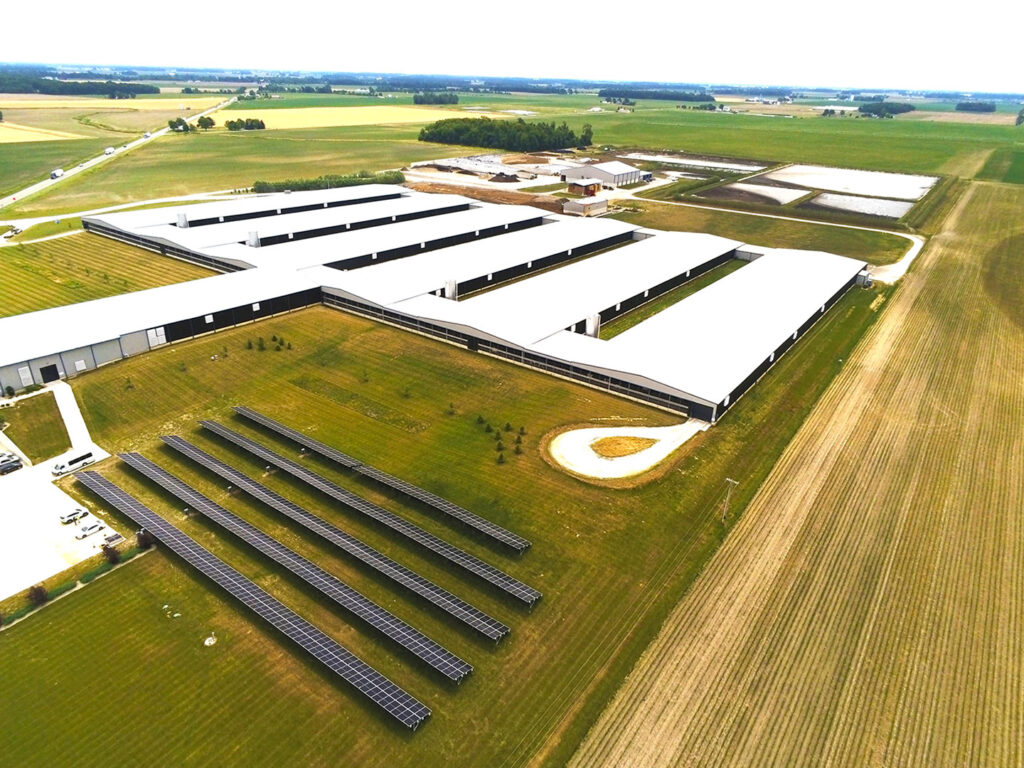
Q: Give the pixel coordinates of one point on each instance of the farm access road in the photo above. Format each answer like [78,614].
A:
[865,610]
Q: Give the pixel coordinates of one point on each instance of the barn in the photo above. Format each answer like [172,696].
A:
[613,173]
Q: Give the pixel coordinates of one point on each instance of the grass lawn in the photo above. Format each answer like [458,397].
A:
[611,564]
[651,308]
[36,427]
[179,164]
[873,247]
[81,267]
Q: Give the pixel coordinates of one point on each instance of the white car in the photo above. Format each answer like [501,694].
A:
[73,516]
[88,530]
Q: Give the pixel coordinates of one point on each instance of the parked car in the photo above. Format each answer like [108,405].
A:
[74,516]
[63,467]
[9,464]
[88,530]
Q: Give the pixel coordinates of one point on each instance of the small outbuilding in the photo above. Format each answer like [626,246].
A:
[588,206]
[585,187]
[611,174]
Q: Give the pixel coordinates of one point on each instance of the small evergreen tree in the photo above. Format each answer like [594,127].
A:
[37,595]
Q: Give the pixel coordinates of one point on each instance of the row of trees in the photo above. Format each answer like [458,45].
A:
[647,93]
[249,124]
[432,97]
[13,82]
[976,106]
[885,108]
[180,125]
[330,182]
[515,135]
[1020,118]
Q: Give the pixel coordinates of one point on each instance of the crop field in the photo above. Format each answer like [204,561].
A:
[81,267]
[178,165]
[331,117]
[15,133]
[36,427]
[610,567]
[873,247]
[866,608]
[189,103]
[24,164]
[1005,165]
[297,100]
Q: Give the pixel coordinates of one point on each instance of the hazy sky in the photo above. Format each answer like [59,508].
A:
[974,46]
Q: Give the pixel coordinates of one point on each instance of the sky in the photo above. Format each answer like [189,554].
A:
[917,45]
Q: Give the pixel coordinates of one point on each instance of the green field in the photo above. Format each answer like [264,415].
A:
[36,427]
[611,564]
[873,247]
[24,164]
[177,165]
[78,268]
[1005,165]
[296,100]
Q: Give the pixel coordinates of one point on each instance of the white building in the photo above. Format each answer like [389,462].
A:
[612,173]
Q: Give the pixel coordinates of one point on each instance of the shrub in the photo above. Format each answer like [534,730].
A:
[9,390]
[519,449]
[248,344]
[144,540]
[522,430]
[479,419]
[508,427]
[500,446]
[112,555]
[37,595]
[488,428]
[260,344]
[501,458]
[289,345]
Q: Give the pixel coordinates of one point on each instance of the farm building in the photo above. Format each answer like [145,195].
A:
[613,173]
[585,187]
[588,206]
[421,262]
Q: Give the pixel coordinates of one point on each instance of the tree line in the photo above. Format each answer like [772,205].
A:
[432,97]
[885,108]
[515,135]
[976,106]
[646,93]
[18,83]
[329,181]
[249,124]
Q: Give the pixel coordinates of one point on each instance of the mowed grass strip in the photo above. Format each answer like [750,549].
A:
[610,564]
[872,247]
[36,427]
[81,267]
[866,609]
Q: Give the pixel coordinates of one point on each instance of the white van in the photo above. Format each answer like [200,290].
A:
[108,151]
[63,467]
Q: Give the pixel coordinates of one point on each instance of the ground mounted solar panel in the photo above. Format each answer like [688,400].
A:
[442,598]
[389,625]
[400,525]
[368,681]
[476,522]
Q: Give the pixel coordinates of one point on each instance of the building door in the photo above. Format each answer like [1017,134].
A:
[49,373]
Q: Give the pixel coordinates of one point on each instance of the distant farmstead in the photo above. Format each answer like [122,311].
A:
[611,174]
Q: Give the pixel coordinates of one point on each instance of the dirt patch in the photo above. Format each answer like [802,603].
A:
[613,447]
[523,159]
[737,195]
[505,196]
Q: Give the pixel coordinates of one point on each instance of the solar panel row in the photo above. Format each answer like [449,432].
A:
[438,657]
[443,599]
[414,533]
[368,681]
[476,522]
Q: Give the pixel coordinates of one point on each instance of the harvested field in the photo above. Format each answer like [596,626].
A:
[330,117]
[872,206]
[866,608]
[198,104]
[13,133]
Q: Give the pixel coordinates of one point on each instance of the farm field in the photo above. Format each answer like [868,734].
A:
[873,247]
[194,103]
[1005,165]
[36,427]
[610,569]
[178,165]
[15,133]
[332,117]
[865,609]
[78,268]
[25,164]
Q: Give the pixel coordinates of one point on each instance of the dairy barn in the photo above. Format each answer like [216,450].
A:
[461,271]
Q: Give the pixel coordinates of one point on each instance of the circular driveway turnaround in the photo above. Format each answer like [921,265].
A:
[573,449]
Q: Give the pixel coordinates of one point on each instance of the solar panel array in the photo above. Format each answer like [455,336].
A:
[476,522]
[414,641]
[368,681]
[442,598]
[414,533]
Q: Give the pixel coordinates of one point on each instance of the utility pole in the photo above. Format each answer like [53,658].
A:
[728,495]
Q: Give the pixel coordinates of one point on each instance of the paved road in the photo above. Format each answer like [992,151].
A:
[93,162]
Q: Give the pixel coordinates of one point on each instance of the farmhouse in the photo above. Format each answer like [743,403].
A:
[421,262]
[613,173]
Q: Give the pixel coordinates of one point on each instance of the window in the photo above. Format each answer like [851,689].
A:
[208,319]
[255,306]
[80,365]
